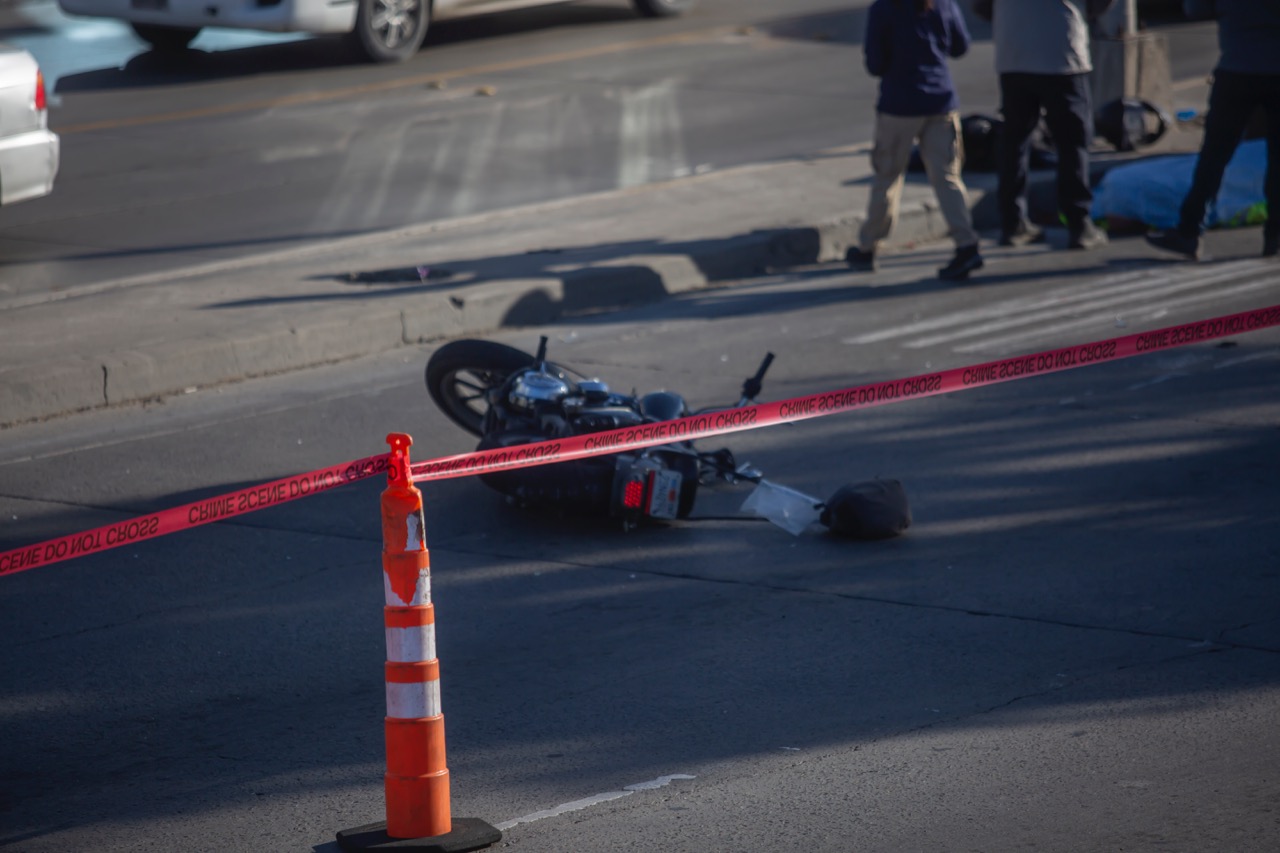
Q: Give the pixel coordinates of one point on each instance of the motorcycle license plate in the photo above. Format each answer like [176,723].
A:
[664,493]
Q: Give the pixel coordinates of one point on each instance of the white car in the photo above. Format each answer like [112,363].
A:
[28,149]
[383,30]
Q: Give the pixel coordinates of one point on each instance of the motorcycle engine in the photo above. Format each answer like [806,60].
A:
[537,406]
[532,388]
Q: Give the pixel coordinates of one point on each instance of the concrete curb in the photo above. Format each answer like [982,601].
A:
[589,284]
[172,368]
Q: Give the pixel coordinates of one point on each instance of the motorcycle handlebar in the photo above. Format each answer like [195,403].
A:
[751,386]
[764,365]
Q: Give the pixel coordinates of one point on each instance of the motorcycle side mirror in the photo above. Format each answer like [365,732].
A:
[541,358]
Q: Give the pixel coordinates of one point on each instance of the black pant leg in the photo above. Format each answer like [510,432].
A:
[1020,108]
[1270,87]
[1068,112]
[1231,103]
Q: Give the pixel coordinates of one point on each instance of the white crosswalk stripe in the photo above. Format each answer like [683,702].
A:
[1094,320]
[1011,324]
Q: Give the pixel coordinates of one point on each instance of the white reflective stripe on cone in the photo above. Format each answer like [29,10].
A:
[413,701]
[411,645]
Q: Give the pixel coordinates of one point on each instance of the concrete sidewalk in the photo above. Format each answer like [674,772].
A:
[148,337]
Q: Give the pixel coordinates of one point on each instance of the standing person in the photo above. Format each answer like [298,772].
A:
[906,45]
[1247,77]
[1043,59]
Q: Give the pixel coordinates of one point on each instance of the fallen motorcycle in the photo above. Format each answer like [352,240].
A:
[508,397]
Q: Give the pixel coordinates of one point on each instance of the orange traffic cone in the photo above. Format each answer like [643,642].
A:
[417,779]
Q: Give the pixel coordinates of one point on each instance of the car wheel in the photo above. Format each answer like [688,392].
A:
[661,8]
[391,30]
[166,39]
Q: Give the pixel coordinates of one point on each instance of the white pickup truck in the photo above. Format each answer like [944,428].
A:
[28,149]
[382,30]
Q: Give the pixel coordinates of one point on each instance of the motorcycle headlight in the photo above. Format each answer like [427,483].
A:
[531,389]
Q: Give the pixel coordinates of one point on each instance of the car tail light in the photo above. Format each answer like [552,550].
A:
[42,102]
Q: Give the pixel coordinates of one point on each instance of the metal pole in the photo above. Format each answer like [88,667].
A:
[1121,21]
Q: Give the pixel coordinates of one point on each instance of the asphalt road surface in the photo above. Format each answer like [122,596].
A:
[1073,648]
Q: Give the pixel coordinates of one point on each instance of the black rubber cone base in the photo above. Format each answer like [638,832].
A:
[468,833]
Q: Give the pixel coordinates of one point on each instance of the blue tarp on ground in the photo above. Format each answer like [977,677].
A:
[1151,191]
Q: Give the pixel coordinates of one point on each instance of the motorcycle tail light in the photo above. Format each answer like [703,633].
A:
[42,102]
[633,494]
[644,488]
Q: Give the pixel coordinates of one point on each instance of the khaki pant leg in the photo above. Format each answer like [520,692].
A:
[942,150]
[890,155]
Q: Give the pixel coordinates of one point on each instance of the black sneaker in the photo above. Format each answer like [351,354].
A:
[1022,235]
[1089,236]
[966,260]
[1176,242]
[1270,245]
[860,261]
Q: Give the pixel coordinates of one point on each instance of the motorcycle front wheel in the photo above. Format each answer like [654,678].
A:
[461,373]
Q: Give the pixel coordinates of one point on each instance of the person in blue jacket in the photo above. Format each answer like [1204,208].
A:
[1247,78]
[907,44]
